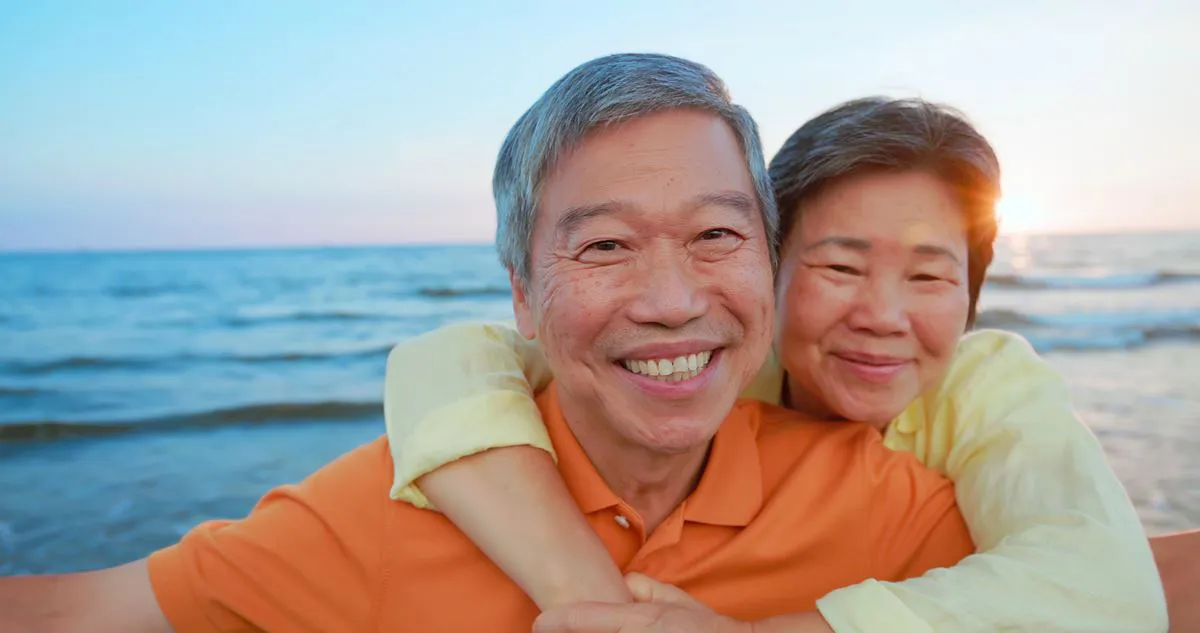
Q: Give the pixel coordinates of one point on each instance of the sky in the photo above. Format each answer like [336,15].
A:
[129,125]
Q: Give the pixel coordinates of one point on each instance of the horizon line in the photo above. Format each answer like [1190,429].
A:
[301,246]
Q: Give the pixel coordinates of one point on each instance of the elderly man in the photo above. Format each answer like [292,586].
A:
[637,225]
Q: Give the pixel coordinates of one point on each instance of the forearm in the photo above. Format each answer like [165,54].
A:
[513,504]
[1029,583]
[117,600]
[810,622]
[29,603]
[1178,559]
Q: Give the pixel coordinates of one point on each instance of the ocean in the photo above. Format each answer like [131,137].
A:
[142,393]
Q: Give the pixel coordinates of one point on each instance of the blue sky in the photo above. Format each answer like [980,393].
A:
[221,123]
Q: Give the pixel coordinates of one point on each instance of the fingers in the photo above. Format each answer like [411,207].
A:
[647,589]
[595,617]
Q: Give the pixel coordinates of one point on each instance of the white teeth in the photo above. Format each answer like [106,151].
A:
[671,370]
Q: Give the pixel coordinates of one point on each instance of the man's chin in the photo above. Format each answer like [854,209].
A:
[678,434]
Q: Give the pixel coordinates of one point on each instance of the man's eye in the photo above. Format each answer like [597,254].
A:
[605,246]
[717,242]
[924,277]
[845,270]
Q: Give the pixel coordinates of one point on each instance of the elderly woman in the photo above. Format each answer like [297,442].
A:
[888,222]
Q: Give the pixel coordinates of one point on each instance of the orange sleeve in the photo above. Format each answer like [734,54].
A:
[306,558]
[914,519]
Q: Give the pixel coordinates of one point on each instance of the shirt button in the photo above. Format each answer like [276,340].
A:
[621,521]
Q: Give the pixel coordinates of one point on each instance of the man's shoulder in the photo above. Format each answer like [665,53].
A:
[348,493]
[843,473]
[791,444]
[777,426]
[364,468]
[351,494]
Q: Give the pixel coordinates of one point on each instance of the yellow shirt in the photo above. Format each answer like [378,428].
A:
[1060,545]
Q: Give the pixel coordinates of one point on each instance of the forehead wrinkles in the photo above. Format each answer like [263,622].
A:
[657,167]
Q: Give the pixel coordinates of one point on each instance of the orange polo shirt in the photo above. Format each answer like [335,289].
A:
[787,510]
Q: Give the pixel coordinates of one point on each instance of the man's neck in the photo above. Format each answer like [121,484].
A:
[653,484]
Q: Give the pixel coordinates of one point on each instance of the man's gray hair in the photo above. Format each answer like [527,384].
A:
[602,92]
[887,134]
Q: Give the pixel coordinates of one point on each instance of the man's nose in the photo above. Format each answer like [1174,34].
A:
[881,308]
[670,293]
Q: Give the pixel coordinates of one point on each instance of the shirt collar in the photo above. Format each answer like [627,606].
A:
[730,489]
[585,484]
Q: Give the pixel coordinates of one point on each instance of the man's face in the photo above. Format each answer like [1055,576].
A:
[650,290]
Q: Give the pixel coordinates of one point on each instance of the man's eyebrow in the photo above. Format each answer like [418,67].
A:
[574,216]
[859,244]
[735,200]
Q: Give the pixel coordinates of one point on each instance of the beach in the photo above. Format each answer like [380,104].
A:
[144,392]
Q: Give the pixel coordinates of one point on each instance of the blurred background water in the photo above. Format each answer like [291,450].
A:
[141,393]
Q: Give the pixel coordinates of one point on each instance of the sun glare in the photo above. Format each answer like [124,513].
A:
[1021,214]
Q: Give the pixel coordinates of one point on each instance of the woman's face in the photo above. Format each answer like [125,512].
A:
[872,295]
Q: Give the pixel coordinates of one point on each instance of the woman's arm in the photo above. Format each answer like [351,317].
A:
[513,504]
[467,437]
[463,425]
[1060,545]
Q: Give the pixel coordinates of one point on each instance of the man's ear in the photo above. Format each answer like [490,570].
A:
[522,308]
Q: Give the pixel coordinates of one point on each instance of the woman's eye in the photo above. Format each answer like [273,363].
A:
[924,277]
[715,234]
[845,270]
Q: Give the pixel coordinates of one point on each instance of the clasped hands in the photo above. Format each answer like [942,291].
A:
[657,608]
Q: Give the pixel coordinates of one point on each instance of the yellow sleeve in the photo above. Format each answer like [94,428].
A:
[1060,545]
[457,391]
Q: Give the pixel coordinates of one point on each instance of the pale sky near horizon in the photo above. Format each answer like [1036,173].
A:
[198,124]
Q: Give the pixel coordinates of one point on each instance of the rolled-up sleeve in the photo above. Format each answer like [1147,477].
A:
[456,391]
[1060,544]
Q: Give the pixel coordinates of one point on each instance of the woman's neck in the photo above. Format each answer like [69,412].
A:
[799,399]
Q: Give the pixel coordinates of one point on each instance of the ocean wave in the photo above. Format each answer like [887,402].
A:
[446,292]
[255,414]
[288,357]
[1116,320]
[302,317]
[72,363]
[1113,281]
[19,391]
[1095,331]
[93,363]
[141,291]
